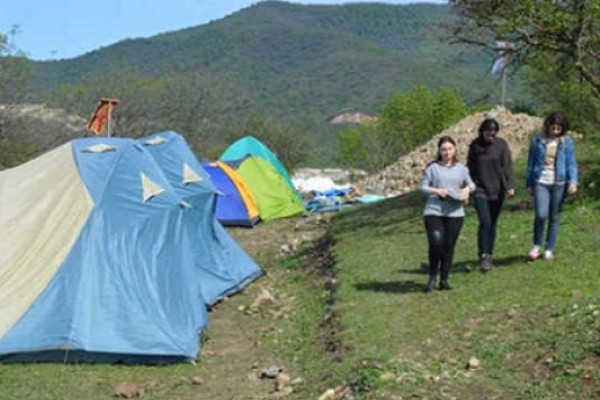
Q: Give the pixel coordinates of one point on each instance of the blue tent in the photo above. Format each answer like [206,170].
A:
[101,257]
[231,268]
[236,205]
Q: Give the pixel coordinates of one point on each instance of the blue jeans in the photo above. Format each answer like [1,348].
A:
[548,201]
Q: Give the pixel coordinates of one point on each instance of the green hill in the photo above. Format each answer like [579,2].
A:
[293,64]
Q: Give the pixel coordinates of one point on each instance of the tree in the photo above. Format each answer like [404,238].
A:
[15,72]
[567,31]
[406,121]
[365,147]
[560,89]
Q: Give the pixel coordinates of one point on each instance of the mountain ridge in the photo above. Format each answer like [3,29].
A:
[294,64]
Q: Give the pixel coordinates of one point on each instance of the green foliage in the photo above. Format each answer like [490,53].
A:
[366,147]
[195,105]
[15,70]
[406,121]
[364,379]
[13,154]
[560,87]
[567,32]
[294,64]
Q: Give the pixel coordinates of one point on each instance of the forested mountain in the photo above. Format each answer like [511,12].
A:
[293,64]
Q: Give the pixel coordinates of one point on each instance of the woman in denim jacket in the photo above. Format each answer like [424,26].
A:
[551,171]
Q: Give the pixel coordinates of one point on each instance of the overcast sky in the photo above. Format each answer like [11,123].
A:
[53,29]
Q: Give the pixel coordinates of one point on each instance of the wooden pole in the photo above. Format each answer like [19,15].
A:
[109,118]
[503,90]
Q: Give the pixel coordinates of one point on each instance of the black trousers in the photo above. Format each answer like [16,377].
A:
[442,234]
[488,212]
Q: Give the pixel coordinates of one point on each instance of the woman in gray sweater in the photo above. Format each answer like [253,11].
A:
[447,184]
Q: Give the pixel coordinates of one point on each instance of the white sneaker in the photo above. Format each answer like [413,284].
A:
[534,253]
[548,256]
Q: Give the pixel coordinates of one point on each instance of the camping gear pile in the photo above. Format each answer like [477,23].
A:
[110,252]
[322,194]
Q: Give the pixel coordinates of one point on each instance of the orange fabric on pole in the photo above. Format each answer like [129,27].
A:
[101,115]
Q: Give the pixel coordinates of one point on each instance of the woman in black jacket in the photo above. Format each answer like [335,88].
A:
[490,166]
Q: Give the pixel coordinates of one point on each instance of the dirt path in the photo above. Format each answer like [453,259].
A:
[233,354]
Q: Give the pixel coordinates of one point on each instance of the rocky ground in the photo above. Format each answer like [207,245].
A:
[237,361]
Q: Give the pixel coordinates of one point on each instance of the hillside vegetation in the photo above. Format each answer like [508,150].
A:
[295,65]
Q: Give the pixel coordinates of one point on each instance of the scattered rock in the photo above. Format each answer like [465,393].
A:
[281,380]
[284,392]
[297,381]
[388,376]
[328,394]
[196,380]
[473,364]
[270,372]
[264,299]
[282,387]
[287,248]
[126,390]
[208,352]
[339,393]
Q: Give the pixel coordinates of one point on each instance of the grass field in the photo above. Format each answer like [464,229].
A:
[523,331]
[350,316]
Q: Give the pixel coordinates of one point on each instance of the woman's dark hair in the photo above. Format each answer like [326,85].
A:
[488,124]
[556,118]
[445,139]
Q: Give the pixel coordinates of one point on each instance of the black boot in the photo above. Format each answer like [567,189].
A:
[444,273]
[445,285]
[485,263]
[430,285]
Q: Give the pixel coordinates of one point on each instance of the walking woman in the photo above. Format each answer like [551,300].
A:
[447,184]
[551,172]
[490,165]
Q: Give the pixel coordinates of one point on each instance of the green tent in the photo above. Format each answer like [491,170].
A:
[251,146]
[274,198]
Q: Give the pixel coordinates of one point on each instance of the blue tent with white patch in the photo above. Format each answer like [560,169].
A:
[100,257]
[231,268]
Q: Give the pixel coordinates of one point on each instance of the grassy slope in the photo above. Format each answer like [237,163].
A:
[534,327]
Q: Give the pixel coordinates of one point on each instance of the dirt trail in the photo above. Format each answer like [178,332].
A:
[233,354]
